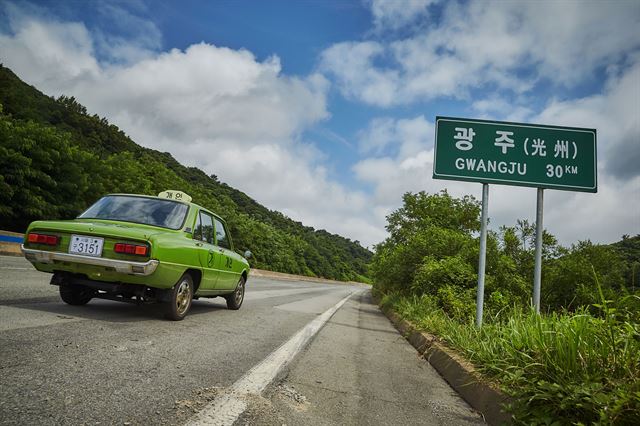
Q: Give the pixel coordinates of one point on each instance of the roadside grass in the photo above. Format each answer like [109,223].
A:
[363,279]
[579,367]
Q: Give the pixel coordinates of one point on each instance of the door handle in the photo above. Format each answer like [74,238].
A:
[199,244]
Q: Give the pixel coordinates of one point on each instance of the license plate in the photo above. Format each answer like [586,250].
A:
[86,246]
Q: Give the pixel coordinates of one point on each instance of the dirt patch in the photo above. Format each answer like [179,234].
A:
[260,412]
[291,397]
[186,408]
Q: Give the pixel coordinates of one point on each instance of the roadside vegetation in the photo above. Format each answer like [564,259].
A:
[56,160]
[576,363]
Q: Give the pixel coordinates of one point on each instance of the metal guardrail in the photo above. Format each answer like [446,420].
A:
[10,239]
[10,243]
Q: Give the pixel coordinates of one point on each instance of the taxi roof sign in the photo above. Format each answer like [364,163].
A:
[175,195]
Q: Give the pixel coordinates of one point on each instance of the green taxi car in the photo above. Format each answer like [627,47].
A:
[140,249]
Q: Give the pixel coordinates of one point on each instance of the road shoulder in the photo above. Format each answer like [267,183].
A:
[359,370]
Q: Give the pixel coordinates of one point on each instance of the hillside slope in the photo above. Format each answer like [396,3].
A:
[56,159]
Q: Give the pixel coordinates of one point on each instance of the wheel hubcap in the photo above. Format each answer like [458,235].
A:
[240,292]
[183,298]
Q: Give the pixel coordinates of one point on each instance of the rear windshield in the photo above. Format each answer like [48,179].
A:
[149,211]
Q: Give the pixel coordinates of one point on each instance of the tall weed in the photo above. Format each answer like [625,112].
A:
[561,368]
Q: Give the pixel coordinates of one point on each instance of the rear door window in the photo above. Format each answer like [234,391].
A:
[204,228]
[222,237]
[197,232]
[207,227]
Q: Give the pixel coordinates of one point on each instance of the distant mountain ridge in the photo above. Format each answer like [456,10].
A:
[40,134]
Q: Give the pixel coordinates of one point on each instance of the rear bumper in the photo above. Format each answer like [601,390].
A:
[118,291]
[122,266]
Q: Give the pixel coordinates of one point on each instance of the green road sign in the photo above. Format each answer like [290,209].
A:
[515,154]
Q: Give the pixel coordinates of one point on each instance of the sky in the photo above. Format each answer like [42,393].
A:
[324,109]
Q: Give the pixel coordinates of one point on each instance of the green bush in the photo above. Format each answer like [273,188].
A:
[428,226]
[569,280]
[457,303]
[449,271]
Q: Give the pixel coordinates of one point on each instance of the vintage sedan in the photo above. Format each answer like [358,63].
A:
[140,249]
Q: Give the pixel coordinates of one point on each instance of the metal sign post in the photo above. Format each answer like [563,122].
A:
[483,254]
[537,272]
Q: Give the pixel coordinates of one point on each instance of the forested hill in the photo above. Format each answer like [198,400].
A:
[56,160]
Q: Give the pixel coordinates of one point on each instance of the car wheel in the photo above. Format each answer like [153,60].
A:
[180,297]
[76,295]
[235,299]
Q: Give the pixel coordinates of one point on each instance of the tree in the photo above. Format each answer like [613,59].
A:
[430,245]
[422,210]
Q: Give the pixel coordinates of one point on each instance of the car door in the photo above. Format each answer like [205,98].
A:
[203,237]
[228,278]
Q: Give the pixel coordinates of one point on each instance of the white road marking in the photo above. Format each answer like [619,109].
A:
[15,268]
[265,294]
[226,409]
[312,305]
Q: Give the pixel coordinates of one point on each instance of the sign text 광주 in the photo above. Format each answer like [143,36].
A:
[515,154]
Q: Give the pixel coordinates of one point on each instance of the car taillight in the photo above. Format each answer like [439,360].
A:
[131,249]
[50,240]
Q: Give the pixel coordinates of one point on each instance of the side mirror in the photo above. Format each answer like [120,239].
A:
[248,254]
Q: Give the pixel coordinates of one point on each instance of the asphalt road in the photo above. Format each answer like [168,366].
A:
[114,363]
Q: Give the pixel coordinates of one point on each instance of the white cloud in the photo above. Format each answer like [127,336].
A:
[406,166]
[216,108]
[175,98]
[205,93]
[495,106]
[616,116]
[508,48]
[352,64]
[512,45]
[64,51]
[138,38]
[571,216]
[289,178]
[241,118]
[394,14]
[406,137]
[380,134]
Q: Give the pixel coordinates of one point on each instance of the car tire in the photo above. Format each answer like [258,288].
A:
[76,295]
[235,299]
[180,298]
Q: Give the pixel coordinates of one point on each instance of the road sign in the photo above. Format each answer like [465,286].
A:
[515,154]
